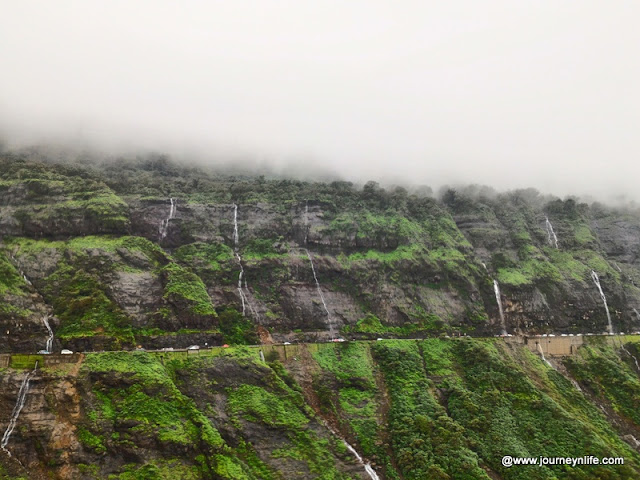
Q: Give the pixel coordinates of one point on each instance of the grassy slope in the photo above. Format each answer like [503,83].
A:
[436,408]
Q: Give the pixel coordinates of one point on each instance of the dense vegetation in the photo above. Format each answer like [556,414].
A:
[145,253]
[435,408]
[88,232]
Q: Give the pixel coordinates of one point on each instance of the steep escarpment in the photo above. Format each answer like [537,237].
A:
[143,252]
[414,409]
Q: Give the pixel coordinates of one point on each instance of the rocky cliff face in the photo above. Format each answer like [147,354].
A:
[434,408]
[102,251]
[144,253]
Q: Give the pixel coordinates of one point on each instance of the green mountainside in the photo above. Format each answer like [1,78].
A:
[414,409]
[143,251]
[127,259]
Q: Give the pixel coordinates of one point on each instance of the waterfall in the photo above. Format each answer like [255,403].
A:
[637,313]
[241,270]
[240,283]
[306,221]
[496,289]
[367,466]
[635,360]
[17,266]
[553,239]
[164,225]
[596,280]
[324,304]
[22,395]
[236,237]
[243,296]
[542,355]
[49,344]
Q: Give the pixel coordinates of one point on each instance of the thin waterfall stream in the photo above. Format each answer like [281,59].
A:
[496,289]
[22,274]
[306,222]
[164,225]
[49,344]
[551,234]
[635,360]
[596,280]
[22,396]
[367,466]
[543,357]
[324,303]
[241,276]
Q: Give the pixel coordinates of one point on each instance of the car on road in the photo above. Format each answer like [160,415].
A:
[43,352]
[65,351]
[193,347]
[287,343]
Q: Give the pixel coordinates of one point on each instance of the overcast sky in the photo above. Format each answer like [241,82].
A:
[507,93]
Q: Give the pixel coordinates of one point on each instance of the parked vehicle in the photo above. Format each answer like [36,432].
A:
[64,351]
[194,347]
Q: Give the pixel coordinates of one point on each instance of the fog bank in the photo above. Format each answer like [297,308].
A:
[508,94]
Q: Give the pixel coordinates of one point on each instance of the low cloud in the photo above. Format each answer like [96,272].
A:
[508,94]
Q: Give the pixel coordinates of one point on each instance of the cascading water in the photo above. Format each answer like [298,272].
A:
[306,222]
[635,360]
[553,239]
[324,304]
[637,313]
[596,280]
[24,277]
[240,283]
[543,357]
[164,225]
[243,296]
[236,236]
[496,289]
[49,344]
[367,466]
[22,395]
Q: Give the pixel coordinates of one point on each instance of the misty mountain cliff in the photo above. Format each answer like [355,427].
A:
[147,252]
[114,255]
